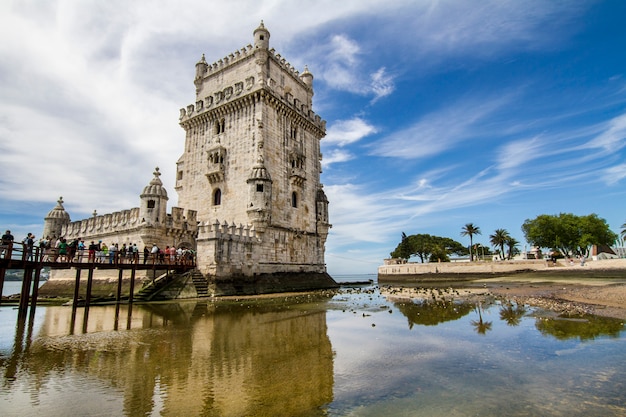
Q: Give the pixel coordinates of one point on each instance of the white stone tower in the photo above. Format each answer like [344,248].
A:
[251,165]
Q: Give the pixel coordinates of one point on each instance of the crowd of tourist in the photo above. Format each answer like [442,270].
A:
[76,250]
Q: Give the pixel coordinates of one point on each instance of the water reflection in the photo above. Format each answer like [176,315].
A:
[512,313]
[357,354]
[583,327]
[432,313]
[187,359]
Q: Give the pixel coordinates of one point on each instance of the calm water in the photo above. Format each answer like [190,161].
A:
[356,353]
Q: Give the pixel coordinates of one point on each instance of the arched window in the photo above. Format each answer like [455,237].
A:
[151,203]
[217,197]
[220,126]
[294,199]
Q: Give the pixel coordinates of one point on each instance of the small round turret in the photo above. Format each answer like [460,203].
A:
[201,68]
[154,200]
[55,220]
[307,77]
[261,37]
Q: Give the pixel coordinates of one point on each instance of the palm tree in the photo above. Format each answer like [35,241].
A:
[499,239]
[511,243]
[623,232]
[470,230]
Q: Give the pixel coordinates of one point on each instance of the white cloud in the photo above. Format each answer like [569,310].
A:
[614,174]
[346,132]
[613,136]
[382,84]
[336,156]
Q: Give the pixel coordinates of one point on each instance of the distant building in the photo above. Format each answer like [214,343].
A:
[248,182]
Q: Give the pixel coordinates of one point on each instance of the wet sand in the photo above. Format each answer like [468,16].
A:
[597,288]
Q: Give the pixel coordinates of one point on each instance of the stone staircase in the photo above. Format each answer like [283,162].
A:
[150,291]
[201,284]
[157,290]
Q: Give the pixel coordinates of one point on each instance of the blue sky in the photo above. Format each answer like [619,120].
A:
[439,113]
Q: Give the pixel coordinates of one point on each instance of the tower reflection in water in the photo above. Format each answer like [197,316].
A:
[187,358]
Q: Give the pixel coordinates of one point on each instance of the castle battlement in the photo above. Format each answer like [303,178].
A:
[127,220]
[233,92]
[243,53]
[217,230]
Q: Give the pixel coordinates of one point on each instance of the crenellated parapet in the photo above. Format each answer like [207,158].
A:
[211,108]
[127,220]
[103,224]
[206,70]
[234,89]
[225,231]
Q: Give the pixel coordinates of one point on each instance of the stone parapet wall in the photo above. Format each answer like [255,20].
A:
[461,267]
[228,250]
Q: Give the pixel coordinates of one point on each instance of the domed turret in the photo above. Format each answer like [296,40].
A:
[307,77]
[261,37]
[260,196]
[201,68]
[321,206]
[154,200]
[55,220]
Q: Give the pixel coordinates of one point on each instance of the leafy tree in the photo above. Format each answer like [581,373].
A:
[567,233]
[403,250]
[427,247]
[470,230]
[499,239]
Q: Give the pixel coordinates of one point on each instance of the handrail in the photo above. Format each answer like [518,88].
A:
[17,251]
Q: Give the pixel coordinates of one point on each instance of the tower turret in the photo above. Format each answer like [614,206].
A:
[260,196]
[154,198]
[201,69]
[307,78]
[55,220]
[261,53]
[261,37]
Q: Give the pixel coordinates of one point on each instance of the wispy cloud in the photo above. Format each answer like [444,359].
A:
[613,135]
[345,132]
[343,68]
[440,131]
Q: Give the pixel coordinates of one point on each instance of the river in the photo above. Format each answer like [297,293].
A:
[354,353]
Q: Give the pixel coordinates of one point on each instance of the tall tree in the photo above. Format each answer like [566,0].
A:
[470,230]
[567,233]
[498,239]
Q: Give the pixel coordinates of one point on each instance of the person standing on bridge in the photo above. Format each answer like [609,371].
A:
[7,241]
[29,243]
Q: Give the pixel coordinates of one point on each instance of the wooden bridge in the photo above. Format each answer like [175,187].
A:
[31,261]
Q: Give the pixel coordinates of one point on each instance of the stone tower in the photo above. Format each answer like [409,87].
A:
[251,166]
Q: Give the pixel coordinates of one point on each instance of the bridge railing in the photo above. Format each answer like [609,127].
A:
[18,251]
